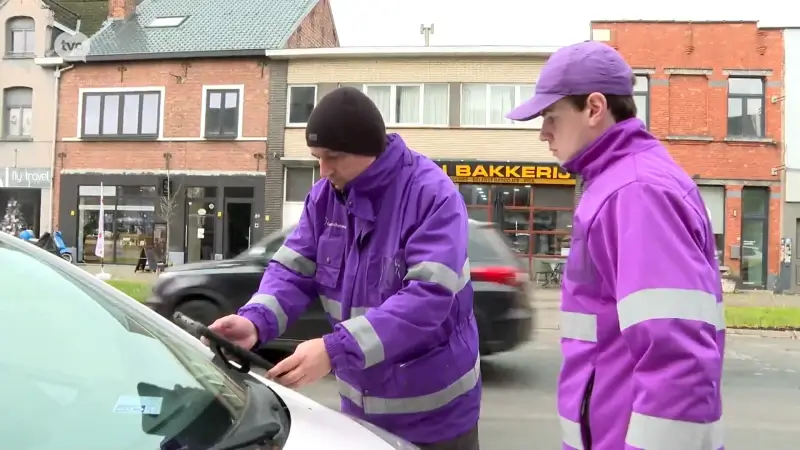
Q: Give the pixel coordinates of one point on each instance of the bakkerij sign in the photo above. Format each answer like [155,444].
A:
[72,47]
[21,177]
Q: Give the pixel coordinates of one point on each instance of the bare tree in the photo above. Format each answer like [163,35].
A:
[169,205]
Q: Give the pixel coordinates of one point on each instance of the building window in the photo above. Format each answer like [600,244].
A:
[746,107]
[755,236]
[486,105]
[298,183]
[18,112]
[641,96]
[552,220]
[121,114]
[20,37]
[537,219]
[302,100]
[128,222]
[222,113]
[412,104]
[714,199]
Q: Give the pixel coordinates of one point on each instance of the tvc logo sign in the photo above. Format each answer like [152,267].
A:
[72,47]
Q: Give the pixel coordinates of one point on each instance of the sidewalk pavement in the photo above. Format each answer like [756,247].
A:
[547,298]
[547,303]
[118,272]
[543,298]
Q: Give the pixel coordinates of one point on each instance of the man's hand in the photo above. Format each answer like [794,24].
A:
[307,364]
[236,329]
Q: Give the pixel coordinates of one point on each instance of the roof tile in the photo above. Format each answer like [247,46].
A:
[211,26]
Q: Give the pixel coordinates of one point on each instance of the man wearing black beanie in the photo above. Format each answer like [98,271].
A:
[382,241]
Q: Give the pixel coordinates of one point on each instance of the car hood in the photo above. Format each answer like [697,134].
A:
[317,426]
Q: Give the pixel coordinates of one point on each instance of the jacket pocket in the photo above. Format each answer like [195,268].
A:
[386,275]
[330,258]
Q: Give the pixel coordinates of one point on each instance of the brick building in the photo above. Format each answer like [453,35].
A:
[712,92]
[170,114]
[447,103]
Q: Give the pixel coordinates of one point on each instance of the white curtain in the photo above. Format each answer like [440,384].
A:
[501,101]
[408,104]
[526,92]
[473,104]
[382,97]
[436,107]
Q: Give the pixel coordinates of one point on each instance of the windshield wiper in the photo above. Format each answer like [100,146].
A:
[264,421]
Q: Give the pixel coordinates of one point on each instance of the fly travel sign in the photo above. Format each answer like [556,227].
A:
[16,177]
[478,172]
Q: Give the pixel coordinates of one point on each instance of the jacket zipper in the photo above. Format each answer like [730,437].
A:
[586,432]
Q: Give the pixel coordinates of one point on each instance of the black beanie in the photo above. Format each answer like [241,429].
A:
[346,120]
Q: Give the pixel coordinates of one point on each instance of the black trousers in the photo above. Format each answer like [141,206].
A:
[467,441]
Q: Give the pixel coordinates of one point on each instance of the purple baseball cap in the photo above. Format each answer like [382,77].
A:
[578,69]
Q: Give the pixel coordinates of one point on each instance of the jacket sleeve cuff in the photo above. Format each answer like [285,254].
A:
[334,345]
[263,326]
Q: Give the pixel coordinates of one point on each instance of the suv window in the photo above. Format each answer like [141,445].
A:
[487,246]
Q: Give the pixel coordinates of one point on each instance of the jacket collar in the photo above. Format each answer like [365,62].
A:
[363,193]
[624,138]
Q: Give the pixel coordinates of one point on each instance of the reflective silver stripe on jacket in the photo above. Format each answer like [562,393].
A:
[571,433]
[295,261]
[367,339]
[411,405]
[655,433]
[686,304]
[273,305]
[435,272]
[647,305]
[334,308]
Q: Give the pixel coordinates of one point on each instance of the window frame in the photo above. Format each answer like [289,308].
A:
[8,107]
[742,98]
[12,26]
[535,124]
[491,208]
[637,92]
[314,178]
[223,89]
[391,121]
[289,103]
[122,92]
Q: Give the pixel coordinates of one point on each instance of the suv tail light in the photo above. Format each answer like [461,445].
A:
[510,276]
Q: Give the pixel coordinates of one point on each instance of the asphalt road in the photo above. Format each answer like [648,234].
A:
[761,390]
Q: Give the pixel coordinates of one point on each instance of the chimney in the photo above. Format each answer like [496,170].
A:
[121,9]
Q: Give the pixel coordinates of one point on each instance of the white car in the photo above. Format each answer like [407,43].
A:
[85,367]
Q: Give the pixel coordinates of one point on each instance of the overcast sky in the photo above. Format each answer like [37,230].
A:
[525,22]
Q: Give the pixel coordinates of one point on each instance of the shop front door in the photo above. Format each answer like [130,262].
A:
[238,226]
[200,229]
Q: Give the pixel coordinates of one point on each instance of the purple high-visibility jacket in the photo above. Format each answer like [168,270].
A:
[388,261]
[642,323]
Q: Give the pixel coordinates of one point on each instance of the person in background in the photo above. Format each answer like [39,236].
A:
[641,316]
[382,243]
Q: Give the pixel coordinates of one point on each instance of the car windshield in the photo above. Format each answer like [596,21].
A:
[85,367]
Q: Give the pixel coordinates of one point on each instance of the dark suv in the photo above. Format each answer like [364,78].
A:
[208,290]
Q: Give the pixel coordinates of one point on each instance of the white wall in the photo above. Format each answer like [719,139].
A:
[792,114]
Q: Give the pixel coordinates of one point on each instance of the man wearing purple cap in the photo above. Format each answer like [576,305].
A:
[643,331]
